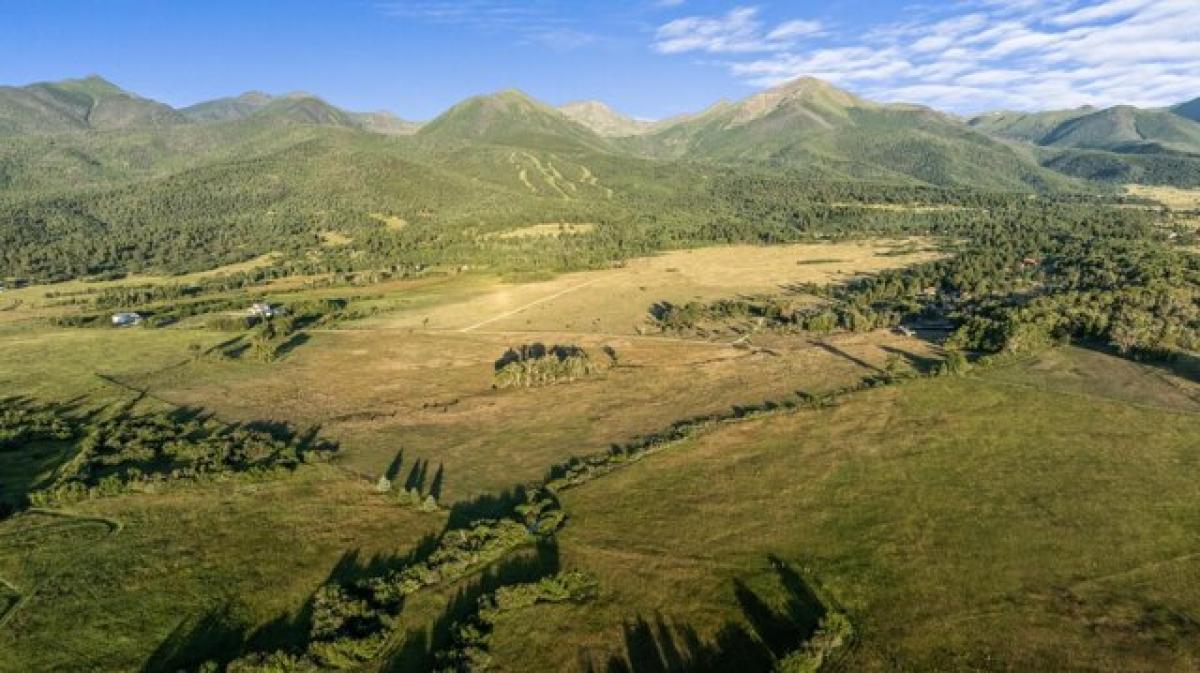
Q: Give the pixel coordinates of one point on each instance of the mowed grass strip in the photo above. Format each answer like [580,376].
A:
[964,524]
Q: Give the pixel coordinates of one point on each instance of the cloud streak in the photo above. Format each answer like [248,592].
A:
[976,55]
[740,31]
[531,22]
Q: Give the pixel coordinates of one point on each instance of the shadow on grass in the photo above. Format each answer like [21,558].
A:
[219,636]
[293,342]
[487,506]
[921,364]
[1177,363]
[766,636]
[418,653]
[28,461]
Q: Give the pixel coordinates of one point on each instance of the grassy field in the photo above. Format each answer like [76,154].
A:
[428,397]
[1172,197]
[617,301]
[159,582]
[964,524]
[1039,515]
[550,229]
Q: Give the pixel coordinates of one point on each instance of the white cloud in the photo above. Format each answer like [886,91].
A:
[971,55]
[793,29]
[739,31]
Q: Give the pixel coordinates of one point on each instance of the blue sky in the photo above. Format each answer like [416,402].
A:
[648,58]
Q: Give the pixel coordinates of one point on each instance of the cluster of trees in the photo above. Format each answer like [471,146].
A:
[24,421]
[121,451]
[833,632]
[537,365]
[469,651]
[351,622]
[1026,272]
[1042,274]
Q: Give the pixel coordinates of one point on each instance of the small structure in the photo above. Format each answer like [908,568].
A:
[262,310]
[126,319]
[905,330]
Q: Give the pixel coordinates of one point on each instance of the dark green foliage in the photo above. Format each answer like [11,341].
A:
[23,422]
[352,621]
[469,652]
[119,451]
[535,365]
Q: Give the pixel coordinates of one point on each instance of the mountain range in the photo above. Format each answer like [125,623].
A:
[805,125]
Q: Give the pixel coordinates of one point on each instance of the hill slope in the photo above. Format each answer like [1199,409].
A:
[509,118]
[1127,129]
[812,125]
[1189,110]
[604,120]
[1117,144]
[295,108]
[1026,126]
[80,104]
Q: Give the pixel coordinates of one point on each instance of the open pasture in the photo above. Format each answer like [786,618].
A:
[428,397]
[549,229]
[1175,198]
[617,301]
[962,524]
[163,581]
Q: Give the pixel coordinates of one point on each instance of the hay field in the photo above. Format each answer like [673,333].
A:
[616,301]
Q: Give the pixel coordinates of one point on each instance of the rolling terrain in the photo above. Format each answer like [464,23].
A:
[1118,144]
[802,382]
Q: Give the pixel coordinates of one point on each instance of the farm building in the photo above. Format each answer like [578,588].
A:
[262,310]
[126,319]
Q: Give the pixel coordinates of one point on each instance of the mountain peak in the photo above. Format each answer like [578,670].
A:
[91,85]
[509,117]
[604,120]
[1189,110]
[811,97]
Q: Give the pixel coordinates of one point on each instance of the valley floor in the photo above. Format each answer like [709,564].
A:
[1037,514]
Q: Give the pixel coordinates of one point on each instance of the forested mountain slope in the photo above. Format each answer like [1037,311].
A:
[1117,144]
[69,105]
[831,133]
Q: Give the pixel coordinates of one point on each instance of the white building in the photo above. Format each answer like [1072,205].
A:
[126,319]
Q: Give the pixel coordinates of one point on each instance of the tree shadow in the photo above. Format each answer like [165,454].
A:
[304,440]
[30,458]
[418,653]
[830,348]
[439,479]
[772,633]
[293,342]
[416,476]
[662,648]
[486,506]
[922,364]
[218,636]
[393,468]
[1176,363]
